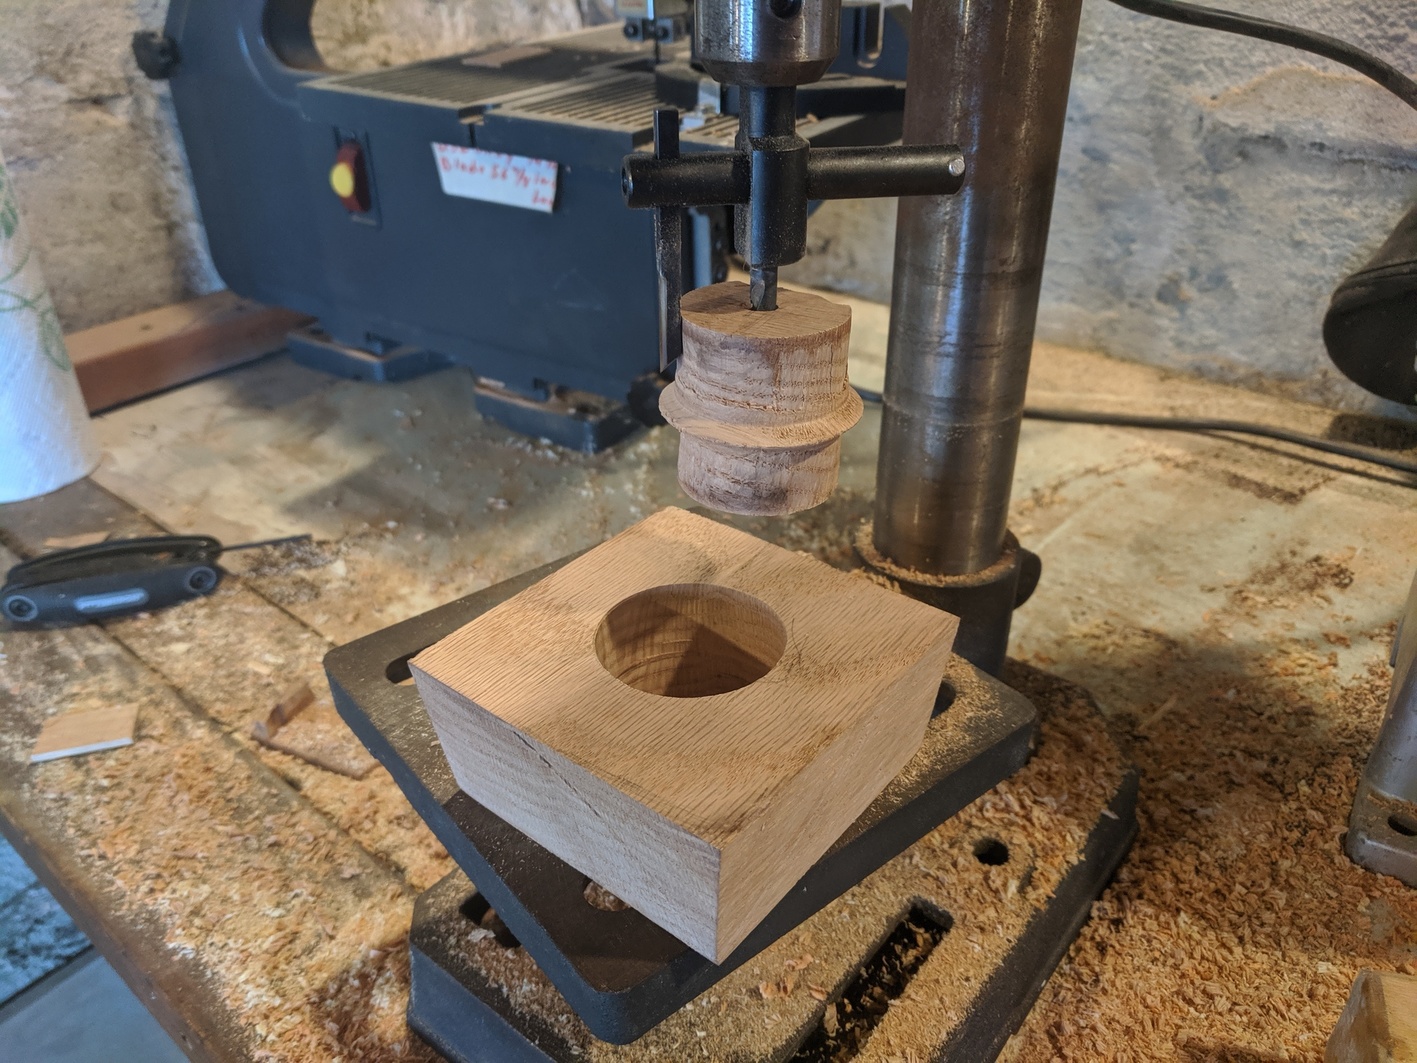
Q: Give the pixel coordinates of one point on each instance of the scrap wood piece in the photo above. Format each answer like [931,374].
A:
[73,733]
[318,736]
[286,709]
[70,542]
[1379,1022]
[139,355]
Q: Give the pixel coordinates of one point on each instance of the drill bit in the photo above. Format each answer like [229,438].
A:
[762,287]
[669,246]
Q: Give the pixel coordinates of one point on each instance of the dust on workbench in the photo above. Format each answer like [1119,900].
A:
[233,655]
[1237,925]
[241,893]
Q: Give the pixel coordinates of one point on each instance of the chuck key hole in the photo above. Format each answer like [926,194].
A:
[785,8]
[690,640]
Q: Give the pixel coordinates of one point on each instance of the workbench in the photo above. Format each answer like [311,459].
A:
[1229,604]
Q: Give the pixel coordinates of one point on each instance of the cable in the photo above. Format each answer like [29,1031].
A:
[1206,424]
[1384,73]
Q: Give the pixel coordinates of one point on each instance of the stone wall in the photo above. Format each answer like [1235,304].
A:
[92,144]
[1213,189]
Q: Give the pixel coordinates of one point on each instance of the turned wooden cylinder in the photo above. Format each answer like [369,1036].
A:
[760,399]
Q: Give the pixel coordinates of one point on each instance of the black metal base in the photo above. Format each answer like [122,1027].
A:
[984,601]
[315,348]
[620,973]
[478,998]
[576,420]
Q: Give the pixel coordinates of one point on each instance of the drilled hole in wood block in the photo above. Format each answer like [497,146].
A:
[690,640]
[687,715]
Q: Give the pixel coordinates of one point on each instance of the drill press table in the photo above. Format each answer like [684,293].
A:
[1228,606]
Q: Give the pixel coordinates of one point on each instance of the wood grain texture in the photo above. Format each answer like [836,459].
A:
[761,399]
[688,715]
[150,352]
[1379,1022]
[73,733]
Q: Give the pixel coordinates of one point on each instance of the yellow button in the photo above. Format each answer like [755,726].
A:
[342,179]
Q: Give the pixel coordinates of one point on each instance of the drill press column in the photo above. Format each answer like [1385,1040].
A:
[994,75]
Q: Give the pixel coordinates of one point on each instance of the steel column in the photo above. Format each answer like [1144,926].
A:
[991,76]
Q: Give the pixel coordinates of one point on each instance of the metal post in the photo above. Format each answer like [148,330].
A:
[991,76]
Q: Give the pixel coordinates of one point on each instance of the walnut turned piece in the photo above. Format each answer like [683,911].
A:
[761,399]
[687,715]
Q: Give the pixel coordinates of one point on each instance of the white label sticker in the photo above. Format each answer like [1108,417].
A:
[514,180]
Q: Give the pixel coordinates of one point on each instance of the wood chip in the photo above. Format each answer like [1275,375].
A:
[73,733]
[70,542]
[318,737]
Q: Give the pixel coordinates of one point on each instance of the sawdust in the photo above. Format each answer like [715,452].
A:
[1232,933]
[1235,928]
[805,983]
[300,942]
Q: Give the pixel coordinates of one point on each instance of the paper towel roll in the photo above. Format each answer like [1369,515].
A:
[46,440]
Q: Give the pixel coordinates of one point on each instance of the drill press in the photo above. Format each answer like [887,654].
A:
[761,404]
[990,75]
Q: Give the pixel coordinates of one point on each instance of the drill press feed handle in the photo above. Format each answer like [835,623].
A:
[769,181]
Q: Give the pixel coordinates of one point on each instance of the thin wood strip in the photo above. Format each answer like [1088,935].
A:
[150,352]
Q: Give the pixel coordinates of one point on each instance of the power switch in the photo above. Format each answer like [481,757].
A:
[349,178]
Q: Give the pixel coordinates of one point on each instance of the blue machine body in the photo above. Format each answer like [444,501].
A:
[532,300]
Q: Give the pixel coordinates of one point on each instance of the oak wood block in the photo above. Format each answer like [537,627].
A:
[1379,1022]
[136,356]
[688,715]
[761,399]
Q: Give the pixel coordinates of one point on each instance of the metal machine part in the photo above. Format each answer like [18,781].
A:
[331,192]
[1371,325]
[775,43]
[1382,831]
[993,77]
[456,1005]
[619,972]
[764,51]
[984,601]
[664,21]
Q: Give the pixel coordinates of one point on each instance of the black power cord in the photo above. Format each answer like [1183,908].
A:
[1384,73]
[1207,424]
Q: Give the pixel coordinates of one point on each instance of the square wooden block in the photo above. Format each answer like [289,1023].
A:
[688,715]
